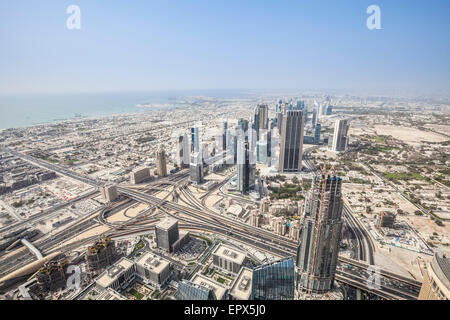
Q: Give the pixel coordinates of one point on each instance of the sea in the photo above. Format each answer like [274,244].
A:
[17,111]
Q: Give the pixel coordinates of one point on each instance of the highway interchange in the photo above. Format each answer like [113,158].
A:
[194,215]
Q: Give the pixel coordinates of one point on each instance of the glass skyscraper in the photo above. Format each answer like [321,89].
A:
[274,281]
[191,291]
[291,144]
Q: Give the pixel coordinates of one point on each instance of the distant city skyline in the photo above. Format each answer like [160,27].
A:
[256,45]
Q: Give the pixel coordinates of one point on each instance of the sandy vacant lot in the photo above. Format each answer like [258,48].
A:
[409,135]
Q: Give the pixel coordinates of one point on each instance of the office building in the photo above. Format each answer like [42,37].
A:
[161,167]
[436,281]
[329,110]
[241,288]
[261,120]
[167,234]
[153,269]
[195,139]
[314,118]
[188,290]
[109,193]
[245,169]
[183,151]
[118,276]
[228,259]
[317,129]
[218,289]
[224,135]
[340,138]
[320,235]
[196,168]
[274,281]
[291,144]
[139,175]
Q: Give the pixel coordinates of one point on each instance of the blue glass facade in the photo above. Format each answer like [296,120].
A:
[274,281]
[191,291]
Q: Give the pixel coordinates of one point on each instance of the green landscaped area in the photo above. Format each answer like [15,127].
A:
[221,280]
[288,191]
[136,294]
[403,176]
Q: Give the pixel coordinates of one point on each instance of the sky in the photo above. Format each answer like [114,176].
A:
[224,44]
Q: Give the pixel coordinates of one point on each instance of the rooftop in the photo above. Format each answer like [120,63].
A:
[166,224]
[230,254]
[242,286]
[219,290]
[113,272]
[152,262]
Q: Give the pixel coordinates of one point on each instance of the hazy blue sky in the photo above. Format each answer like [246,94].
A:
[165,45]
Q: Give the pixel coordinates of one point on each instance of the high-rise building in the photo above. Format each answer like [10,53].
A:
[436,282]
[109,192]
[329,110]
[167,234]
[320,235]
[196,168]
[195,139]
[340,139]
[317,133]
[245,169]
[188,290]
[224,135]
[274,281]
[161,167]
[261,120]
[152,269]
[183,151]
[291,144]
[139,175]
[300,105]
[314,118]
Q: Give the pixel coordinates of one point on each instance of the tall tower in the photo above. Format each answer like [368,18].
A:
[161,168]
[340,139]
[183,151]
[320,235]
[243,165]
[261,120]
[195,140]
[224,135]
[291,144]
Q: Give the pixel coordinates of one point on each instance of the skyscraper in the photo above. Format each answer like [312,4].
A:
[243,165]
[291,144]
[261,120]
[161,167]
[317,133]
[167,234]
[320,235]
[183,151]
[274,281]
[224,135]
[195,140]
[196,168]
[340,139]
